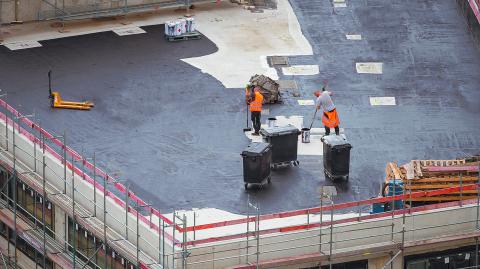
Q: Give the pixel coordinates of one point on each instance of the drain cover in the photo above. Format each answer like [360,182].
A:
[287,84]
[278,61]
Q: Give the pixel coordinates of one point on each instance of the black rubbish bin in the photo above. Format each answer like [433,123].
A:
[336,157]
[284,141]
[256,164]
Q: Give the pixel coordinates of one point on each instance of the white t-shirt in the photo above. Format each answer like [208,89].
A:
[325,102]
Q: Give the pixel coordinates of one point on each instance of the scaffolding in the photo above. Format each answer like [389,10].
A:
[65,198]
[316,234]
[96,8]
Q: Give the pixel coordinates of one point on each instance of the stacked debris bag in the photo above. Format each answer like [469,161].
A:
[179,27]
[269,88]
[430,175]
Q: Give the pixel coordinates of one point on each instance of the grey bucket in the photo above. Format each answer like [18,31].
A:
[271,122]
[305,135]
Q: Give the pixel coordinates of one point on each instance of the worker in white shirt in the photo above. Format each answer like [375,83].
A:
[330,116]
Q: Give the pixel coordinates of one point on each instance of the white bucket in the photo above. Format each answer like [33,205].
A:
[305,135]
[271,122]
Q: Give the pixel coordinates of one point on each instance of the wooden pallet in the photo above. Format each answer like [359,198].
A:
[415,168]
[428,175]
[187,36]
[392,171]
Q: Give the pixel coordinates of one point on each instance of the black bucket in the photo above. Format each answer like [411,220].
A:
[305,135]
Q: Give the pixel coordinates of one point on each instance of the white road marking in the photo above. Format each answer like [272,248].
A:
[382,101]
[305,70]
[22,45]
[353,37]
[129,31]
[306,102]
[369,68]
[339,5]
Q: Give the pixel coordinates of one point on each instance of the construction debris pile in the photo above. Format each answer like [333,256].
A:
[428,175]
[269,88]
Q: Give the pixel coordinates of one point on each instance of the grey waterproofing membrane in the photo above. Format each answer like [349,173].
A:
[175,133]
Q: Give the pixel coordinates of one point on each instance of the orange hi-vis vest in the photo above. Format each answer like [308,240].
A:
[330,118]
[256,104]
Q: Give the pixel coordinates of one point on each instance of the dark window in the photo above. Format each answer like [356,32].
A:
[449,259]
[24,247]
[87,244]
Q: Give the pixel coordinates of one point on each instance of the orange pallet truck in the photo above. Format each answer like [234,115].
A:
[57,102]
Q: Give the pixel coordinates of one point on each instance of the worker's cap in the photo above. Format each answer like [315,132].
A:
[316,93]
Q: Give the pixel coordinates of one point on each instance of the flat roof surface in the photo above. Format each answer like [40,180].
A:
[175,133]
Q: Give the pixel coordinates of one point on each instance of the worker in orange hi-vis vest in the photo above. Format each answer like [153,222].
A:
[255,101]
[330,115]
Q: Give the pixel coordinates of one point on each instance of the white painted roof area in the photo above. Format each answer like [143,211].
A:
[314,148]
[232,29]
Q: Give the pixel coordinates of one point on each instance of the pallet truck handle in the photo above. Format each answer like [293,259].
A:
[50,83]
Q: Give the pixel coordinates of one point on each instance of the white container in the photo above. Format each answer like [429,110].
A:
[183,25]
[170,28]
[178,28]
[190,25]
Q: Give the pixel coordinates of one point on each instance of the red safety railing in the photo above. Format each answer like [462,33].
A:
[315,210]
[475,5]
[327,208]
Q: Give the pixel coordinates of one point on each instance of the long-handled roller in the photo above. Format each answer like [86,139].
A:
[315,114]
[248,129]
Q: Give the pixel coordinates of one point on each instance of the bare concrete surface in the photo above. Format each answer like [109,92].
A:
[244,39]
[175,133]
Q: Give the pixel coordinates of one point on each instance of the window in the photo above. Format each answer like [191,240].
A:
[87,244]
[449,259]
[24,247]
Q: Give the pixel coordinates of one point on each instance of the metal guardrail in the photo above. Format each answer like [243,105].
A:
[108,8]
